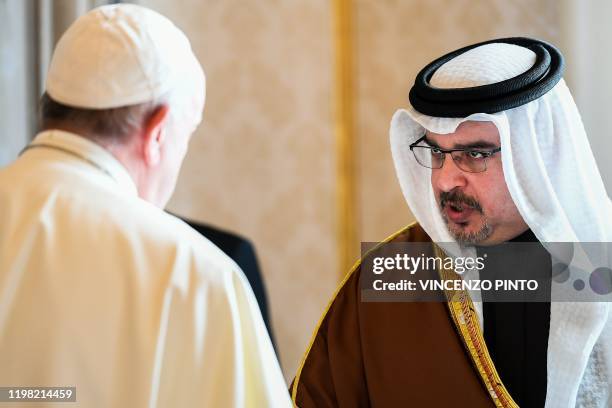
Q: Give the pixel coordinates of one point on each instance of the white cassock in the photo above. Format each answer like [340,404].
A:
[103,291]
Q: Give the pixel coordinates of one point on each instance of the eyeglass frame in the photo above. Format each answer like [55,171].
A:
[487,152]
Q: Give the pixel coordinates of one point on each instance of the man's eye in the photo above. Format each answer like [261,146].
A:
[436,151]
[475,154]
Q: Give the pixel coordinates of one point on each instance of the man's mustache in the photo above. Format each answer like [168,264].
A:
[456,197]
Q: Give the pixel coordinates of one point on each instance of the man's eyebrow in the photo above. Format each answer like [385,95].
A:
[478,144]
[430,143]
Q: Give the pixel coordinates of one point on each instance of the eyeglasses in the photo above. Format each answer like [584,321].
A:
[468,160]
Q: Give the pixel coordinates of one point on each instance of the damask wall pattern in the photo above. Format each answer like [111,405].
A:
[262,162]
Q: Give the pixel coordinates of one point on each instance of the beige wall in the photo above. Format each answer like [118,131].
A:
[586,41]
[263,162]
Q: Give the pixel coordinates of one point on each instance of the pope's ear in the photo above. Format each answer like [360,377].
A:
[154,134]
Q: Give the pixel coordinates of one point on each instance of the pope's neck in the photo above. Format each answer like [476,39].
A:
[121,153]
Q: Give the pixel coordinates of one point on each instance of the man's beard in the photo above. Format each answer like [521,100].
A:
[458,199]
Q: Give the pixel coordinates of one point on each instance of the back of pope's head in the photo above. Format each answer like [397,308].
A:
[126,77]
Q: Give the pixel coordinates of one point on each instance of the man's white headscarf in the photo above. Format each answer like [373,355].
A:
[555,184]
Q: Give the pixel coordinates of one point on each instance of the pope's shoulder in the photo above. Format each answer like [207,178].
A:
[172,241]
[95,208]
[158,228]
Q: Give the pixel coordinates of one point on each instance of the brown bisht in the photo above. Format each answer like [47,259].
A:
[398,354]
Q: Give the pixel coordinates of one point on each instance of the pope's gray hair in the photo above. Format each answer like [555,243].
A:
[113,124]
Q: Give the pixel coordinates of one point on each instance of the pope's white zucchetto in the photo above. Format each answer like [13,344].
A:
[119,55]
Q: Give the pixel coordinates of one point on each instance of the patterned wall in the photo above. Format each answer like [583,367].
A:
[263,161]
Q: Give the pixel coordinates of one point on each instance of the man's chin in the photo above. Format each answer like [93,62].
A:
[470,233]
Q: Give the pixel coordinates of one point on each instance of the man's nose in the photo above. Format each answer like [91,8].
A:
[449,176]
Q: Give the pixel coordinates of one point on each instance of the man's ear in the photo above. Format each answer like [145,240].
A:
[154,135]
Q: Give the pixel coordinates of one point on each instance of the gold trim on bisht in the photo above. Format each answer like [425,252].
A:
[346,148]
[466,321]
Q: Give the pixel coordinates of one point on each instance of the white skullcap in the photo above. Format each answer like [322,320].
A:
[484,65]
[120,55]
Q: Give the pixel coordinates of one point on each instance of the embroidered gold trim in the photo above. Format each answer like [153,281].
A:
[465,319]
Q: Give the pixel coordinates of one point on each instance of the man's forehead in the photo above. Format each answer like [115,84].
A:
[469,133]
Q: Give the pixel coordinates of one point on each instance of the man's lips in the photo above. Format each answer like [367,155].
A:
[458,213]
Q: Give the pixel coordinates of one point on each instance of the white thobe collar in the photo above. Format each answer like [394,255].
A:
[89,152]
